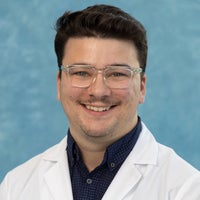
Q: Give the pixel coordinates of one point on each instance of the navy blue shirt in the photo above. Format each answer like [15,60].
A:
[93,185]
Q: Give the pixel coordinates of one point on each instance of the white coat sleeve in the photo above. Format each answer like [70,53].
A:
[190,190]
[3,190]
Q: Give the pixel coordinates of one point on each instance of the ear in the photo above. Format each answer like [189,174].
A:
[58,81]
[143,88]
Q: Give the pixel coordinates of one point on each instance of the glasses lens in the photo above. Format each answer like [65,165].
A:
[81,76]
[115,76]
[118,77]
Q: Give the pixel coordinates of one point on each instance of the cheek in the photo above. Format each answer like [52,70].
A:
[69,99]
[124,96]
[70,94]
[131,97]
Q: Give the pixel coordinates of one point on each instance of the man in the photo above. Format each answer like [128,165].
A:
[108,153]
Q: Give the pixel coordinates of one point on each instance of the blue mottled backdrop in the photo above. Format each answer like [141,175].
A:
[31,119]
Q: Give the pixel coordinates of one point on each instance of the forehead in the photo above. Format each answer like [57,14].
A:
[93,50]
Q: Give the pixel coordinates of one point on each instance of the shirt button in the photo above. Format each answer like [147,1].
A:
[112,164]
[89,181]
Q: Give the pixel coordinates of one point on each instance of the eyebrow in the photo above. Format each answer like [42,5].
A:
[81,63]
[120,64]
[113,64]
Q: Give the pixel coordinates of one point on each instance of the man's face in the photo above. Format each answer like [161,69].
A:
[100,113]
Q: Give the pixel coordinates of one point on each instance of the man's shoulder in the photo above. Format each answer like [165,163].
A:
[166,156]
[33,165]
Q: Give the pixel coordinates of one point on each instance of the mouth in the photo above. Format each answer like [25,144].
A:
[98,108]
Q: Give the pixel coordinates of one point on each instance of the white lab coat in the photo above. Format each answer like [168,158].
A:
[151,171]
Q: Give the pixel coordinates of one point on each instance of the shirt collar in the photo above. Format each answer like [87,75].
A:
[115,154]
[72,150]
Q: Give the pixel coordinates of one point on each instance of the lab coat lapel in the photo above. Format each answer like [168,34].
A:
[127,177]
[57,177]
[58,183]
[144,153]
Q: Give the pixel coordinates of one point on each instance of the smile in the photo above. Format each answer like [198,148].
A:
[97,109]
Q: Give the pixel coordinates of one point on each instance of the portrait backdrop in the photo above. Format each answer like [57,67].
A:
[31,118]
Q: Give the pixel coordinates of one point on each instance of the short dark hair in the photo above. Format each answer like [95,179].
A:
[102,21]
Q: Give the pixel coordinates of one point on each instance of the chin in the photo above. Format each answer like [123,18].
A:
[97,133]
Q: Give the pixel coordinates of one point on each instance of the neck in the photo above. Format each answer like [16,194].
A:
[92,150]
[91,158]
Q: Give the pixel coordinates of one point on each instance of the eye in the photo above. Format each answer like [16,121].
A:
[118,74]
[80,72]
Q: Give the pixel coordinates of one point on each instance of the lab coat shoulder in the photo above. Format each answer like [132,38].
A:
[39,175]
[154,171]
[181,178]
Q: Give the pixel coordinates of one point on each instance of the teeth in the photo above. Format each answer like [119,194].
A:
[97,109]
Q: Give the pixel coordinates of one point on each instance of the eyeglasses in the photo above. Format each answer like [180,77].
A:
[116,77]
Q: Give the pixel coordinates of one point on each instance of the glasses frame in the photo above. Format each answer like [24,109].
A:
[133,70]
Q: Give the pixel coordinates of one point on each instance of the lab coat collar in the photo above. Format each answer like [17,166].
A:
[57,177]
[145,153]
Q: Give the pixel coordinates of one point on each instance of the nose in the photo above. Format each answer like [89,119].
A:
[98,87]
